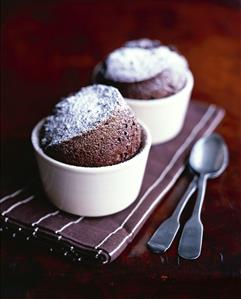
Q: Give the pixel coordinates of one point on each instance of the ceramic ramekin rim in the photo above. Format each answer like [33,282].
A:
[103,169]
[166,100]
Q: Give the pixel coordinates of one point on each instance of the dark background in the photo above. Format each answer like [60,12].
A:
[48,50]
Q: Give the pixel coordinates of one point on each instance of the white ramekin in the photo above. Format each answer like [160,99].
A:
[164,117]
[92,191]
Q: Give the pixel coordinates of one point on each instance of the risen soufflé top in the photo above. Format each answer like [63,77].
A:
[93,127]
[144,69]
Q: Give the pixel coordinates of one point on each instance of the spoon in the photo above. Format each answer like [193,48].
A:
[163,237]
[208,158]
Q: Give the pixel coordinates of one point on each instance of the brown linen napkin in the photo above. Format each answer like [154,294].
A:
[28,213]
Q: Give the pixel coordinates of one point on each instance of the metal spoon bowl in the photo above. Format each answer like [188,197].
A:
[209,156]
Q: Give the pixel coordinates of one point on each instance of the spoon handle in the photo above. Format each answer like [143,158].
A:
[191,240]
[163,237]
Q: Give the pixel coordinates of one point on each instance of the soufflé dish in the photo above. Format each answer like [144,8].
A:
[92,152]
[156,82]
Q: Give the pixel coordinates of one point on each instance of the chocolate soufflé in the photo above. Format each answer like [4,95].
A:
[91,128]
[144,69]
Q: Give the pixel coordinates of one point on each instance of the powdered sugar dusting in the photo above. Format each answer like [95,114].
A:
[134,64]
[144,43]
[81,112]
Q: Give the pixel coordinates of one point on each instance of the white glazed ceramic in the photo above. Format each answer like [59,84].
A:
[164,117]
[92,191]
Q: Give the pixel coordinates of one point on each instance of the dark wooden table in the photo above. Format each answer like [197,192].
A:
[48,50]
